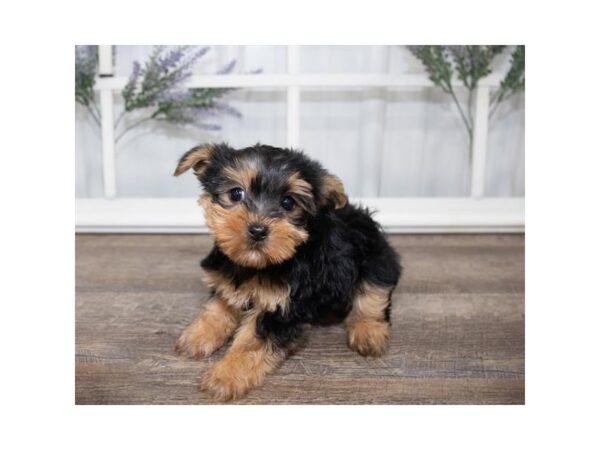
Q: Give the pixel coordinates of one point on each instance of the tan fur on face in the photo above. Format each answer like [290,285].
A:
[368,332]
[264,294]
[299,187]
[197,158]
[209,331]
[245,365]
[230,229]
[333,191]
[241,176]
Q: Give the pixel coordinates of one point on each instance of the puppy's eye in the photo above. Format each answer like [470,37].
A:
[237,194]
[288,203]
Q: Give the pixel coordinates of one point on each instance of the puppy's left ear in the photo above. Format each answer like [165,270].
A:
[196,158]
[332,191]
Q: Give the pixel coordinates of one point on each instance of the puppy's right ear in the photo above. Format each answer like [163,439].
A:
[333,191]
[196,158]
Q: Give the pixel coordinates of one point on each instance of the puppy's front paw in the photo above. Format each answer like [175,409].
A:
[208,332]
[199,340]
[227,380]
[369,338]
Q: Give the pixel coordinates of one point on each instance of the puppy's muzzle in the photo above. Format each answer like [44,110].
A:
[258,232]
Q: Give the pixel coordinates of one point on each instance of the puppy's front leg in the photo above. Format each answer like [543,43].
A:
[210,330]
[255,352]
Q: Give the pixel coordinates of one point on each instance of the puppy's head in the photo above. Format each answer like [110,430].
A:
[258,200]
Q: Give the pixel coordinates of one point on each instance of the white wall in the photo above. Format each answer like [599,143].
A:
[382,142]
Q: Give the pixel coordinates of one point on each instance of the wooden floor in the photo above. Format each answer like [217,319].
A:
[457,327]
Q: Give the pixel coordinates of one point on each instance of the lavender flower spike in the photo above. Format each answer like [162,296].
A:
[228,68]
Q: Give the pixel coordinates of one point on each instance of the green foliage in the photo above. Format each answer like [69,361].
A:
[437,63]
[471,63]
[514,81]
[86,64]
[185,109]
[474,62]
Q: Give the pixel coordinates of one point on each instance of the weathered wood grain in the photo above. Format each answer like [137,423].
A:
[457,334]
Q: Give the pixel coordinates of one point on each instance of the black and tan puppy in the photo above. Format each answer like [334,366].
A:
[289,251]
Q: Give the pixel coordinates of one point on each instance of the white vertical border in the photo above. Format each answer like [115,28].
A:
[108,132]
[293,98]
[480,137]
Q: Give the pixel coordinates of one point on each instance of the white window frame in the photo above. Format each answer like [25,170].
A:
[411,215]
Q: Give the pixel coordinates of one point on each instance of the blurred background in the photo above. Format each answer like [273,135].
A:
[431,136]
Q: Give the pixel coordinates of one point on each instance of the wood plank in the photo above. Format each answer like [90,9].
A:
[456,337]
[152,388]
[456,263]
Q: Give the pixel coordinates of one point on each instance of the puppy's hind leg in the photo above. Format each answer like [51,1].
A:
[210,330]
[368,323]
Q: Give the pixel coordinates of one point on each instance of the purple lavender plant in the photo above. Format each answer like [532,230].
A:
[157,88]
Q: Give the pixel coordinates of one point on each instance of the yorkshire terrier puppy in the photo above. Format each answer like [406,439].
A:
[289,251]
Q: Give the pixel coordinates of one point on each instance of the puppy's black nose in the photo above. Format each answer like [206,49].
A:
[258,232]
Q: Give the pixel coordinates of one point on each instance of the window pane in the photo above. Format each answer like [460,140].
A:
[505,172]
[387,142]
[88,156]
